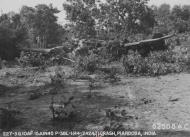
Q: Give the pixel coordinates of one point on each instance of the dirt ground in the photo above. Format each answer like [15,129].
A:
[158,104]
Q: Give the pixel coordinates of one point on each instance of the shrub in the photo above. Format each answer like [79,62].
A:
[105,55]
[133,63]
[64,109]
[112,76]
[57,57]
[157,63]
[32,59]
[118,118]
[88,63]
[59,78]
[39,60]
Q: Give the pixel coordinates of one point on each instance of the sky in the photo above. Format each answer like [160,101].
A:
[15,5]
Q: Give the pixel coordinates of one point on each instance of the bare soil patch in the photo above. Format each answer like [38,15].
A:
[147,101]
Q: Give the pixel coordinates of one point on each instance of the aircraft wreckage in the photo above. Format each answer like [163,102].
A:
[144,47]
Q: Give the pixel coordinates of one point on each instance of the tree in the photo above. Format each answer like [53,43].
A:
[163,18]
[81,14]
[181,18]
[41,24]
[185,14]
[11,35]
[177,11]
[27,15]
[113,18]
[127,16]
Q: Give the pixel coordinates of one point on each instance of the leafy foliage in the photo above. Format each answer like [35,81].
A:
[8,50]
[12,34]
[124,17]
[42,60]
[32,26]
[118,119]
[88,63]
[157,63]
[59,78]
[168,19]
[79,13]
[64,109]
[112,76]
[41,22]
[113,18]
[32,59]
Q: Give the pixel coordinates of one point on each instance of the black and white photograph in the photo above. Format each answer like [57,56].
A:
[94,68]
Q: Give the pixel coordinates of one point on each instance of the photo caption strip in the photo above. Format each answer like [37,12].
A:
[79,134]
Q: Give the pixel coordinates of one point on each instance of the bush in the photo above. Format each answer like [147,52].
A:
[38,59]
[57,57]
[32,59]
[64,109]
[88,63]
[112,76]
[133,63]
[59,78]
[117,117]
[157,63]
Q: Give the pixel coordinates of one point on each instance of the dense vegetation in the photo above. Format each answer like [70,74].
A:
[92,49]
[114,20]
